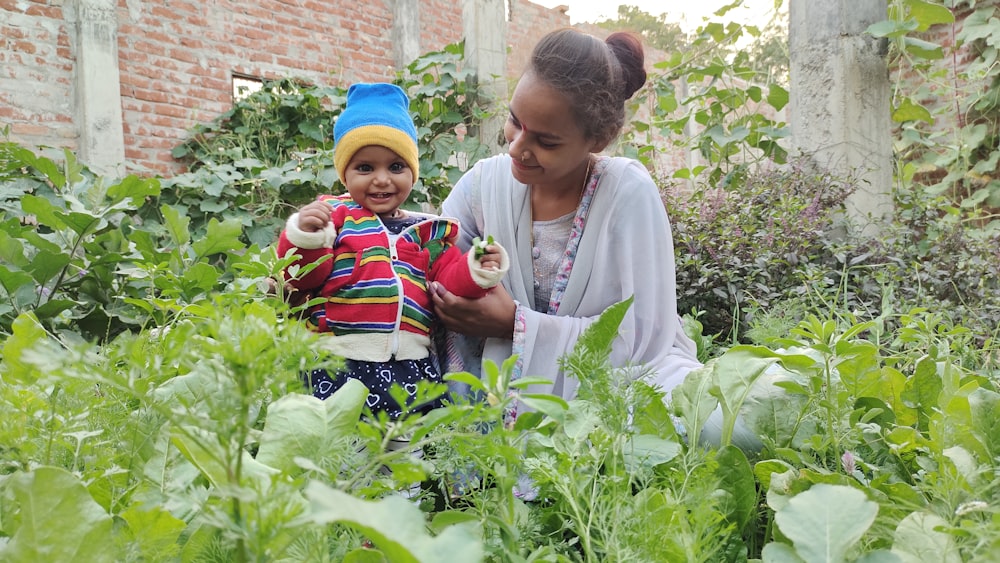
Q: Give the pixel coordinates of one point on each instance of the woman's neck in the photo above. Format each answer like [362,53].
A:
[551,201]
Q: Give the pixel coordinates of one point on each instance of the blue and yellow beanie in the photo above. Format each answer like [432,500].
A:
[375,114]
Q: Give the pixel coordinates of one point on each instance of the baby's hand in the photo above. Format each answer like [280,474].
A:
[314,216]
[490,257]
[479,245]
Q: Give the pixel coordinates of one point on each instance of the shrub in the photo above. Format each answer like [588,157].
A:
[755,248]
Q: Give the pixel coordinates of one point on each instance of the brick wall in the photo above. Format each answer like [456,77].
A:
[440,24]
[36,74]
[177,58]
[527,23]
[176,62]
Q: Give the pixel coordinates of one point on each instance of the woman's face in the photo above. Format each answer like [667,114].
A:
[546,143]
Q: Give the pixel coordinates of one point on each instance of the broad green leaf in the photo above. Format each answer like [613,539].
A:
[891,388]
[905,439]
[43,210]
[53,307]
[11,251]
[12,280]
[552,406]
[396,527]
[777,96]
[82,223]
[826,521]
[922,48]
[923,389]
[737,478]
[775,552]
[892,29]
[59,520]
[771,410]
[219,238]
[446,518]
[981,24]
[783,486]
[878,556]
[527,381]
[201,276]
[26,333]
[467,378]
[204,450]
[984,407]
[870,409]
[645,451]
[693,402]
[909,111]
[977,198]
[916,540]
[601,334]
[971,420]
[135,189]
[652,415]
[153,531]
[45,165]
[212,207]
[764,469]
[927,14]
[719,135]
[300,425]
[46,265]
[177,225]
[581,419]
[736,371]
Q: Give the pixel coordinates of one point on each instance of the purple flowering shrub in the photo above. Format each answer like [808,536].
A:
[746,248]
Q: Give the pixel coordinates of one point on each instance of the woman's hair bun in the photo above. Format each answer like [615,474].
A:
[628,50]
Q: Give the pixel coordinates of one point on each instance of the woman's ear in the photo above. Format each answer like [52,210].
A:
[598,145]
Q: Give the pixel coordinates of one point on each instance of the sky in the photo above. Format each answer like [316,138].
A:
[688,13]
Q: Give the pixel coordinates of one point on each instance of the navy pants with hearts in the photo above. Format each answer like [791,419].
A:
[379,377]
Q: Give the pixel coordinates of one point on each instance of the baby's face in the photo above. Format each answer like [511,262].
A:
[379,180]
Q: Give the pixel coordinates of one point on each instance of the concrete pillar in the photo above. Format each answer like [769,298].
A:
[405,32]
[98,87]
[840,99]
[484,24]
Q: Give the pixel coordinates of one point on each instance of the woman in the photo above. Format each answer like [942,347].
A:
[584,231]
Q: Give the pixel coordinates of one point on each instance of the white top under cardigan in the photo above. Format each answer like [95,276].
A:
[626,249]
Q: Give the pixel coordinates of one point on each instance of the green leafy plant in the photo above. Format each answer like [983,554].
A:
[62,241]
[952,147]
[751,249]
[705,99]
[447,107]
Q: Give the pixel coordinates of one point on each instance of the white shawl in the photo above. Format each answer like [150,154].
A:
[626,249]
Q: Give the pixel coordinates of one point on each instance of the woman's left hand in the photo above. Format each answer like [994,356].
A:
[491,315]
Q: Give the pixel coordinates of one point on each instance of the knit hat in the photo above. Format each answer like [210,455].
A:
[375,114]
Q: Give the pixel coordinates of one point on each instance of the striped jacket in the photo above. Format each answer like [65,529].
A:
[377,306]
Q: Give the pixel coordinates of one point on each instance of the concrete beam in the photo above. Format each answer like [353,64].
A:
[98,87]
[405,32]
[484,24]
[840,99]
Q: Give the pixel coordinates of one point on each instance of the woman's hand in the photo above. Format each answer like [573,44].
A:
[491,315]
